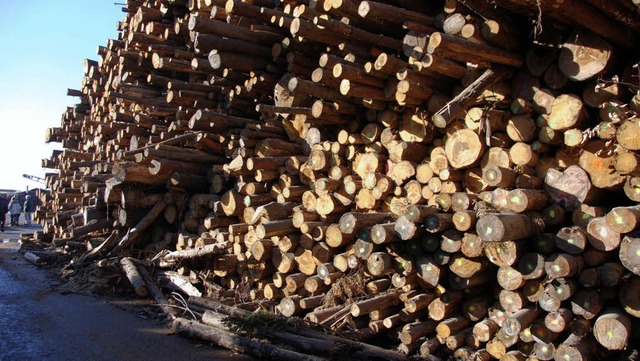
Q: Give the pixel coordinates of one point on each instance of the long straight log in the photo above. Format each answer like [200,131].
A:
[134,277]
[237,343]
[363,351]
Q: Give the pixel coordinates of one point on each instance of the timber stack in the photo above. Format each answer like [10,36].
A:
[460,176]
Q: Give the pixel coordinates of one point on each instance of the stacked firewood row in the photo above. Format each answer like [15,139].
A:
[461,176]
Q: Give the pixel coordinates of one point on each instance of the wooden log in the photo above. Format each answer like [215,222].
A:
[600,236]
[384,233]
[132,172]
[233,342]
[451,326]
[351,222]
[523,200]
[483,52]
[412,332]
[503,227]
[497,176]
[622,219]
[584,55]
[172,258]
[519,321]
[134,277]
[438,222]
[456,106]
[377,302]
[380,263]
[575,347]
[570,188]
[141,226]
[629,253]
[157,294]
[385,12]
[464,149]
[612,329]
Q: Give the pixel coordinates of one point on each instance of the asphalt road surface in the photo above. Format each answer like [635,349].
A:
[39,323]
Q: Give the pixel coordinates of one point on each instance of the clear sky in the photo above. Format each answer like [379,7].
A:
[42,46]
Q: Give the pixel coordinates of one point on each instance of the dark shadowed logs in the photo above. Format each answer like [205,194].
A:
[572,240]
[554,215]
[586,303]
[531,266]
[629,296]
[503,227]
[142,225]
[429,347]
[576,347]
[91,226]
[438,222]
[456,48]
[584,55]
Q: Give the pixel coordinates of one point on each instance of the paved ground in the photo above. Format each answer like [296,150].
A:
[39,323]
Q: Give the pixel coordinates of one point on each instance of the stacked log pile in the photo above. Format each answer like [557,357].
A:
[447,173]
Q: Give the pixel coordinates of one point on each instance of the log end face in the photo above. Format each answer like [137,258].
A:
[490,229]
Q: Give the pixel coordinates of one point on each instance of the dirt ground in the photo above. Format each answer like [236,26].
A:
[38,322]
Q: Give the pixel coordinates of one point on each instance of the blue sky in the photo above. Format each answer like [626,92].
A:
[42,46]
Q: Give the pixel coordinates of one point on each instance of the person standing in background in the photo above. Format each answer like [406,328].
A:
[4,208]
[15,209]
[29,208]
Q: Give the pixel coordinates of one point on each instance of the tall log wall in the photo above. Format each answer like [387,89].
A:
[461,176]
